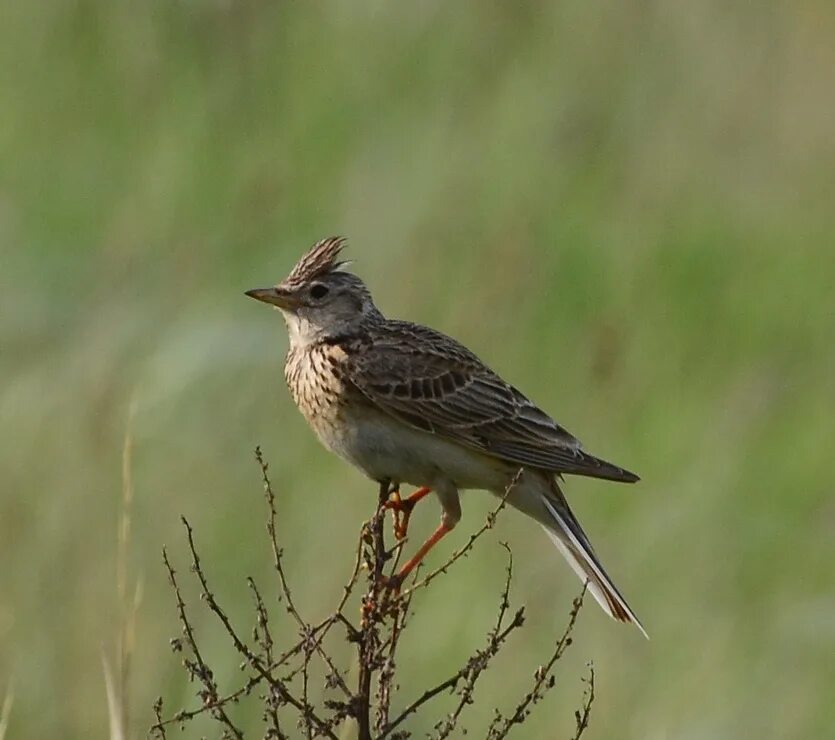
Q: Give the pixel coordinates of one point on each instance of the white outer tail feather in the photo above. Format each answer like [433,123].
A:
[585,566]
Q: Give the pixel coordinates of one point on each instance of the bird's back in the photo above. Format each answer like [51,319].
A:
[432,382]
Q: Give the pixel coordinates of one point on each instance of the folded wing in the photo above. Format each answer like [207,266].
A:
[433,383]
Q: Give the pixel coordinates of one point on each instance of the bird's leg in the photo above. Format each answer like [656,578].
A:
[401,509]
[396,581]
[394,504]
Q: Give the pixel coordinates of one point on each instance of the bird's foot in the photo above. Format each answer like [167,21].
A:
[401,509]
[397,506]
[382,599]
[392,584]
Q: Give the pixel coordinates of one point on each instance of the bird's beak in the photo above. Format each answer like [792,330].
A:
[275,296]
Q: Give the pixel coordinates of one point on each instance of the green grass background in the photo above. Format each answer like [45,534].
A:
[627,210]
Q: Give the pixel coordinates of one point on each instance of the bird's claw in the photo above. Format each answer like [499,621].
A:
[401,512]
[392,584]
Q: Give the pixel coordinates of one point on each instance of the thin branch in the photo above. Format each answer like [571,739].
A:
[308,640]
[285,589]
[157,729]
[581,716]
[472,670]
[478,663]
[186,715]
[198,666]
[369,637]
[384,618]
[305,710]
[386,685]
[543,679]
[263,636]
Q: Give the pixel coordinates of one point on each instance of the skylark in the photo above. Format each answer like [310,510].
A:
[407,404]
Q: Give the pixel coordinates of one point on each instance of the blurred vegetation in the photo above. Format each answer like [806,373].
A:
[627,210]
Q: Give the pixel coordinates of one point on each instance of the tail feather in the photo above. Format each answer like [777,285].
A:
[572,542]
[596,467]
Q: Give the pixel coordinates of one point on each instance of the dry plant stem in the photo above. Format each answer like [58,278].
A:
[285,590]
[582,715]
[264,638]
[158,728]
[478,663]
[321,630]
[543,678]
[471,672]
[385,687]
[198,667]
[385,617]
[371,605]
[305,710]
[245,690]
[262,633]
[309,641]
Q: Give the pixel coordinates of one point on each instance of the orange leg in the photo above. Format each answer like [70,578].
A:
[402,509]
[433,540]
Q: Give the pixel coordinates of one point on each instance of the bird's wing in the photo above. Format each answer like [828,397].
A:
[433,383]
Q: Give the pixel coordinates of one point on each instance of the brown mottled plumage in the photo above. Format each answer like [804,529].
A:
[408,404]
[318,261]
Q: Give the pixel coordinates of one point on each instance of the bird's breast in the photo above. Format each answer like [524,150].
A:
[316,382]
[381,446]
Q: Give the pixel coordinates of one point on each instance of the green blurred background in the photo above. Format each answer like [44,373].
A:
[627,210]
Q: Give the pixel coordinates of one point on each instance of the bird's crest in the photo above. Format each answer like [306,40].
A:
[320,260]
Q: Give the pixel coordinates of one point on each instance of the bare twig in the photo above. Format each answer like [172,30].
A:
[478,663]
[305,710]
[263,636]
[369,634]
[386,682]
[581,716]
[543,678]
[309,641]
[285,589]
[158,729]
[472,670]
[285,673]
[197,667]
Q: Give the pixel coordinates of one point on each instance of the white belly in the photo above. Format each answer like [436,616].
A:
[386,449]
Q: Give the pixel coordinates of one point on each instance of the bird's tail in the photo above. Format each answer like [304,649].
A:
[570,539]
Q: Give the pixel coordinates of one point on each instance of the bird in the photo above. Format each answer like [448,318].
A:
[407,404]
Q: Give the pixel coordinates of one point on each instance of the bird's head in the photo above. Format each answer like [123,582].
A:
[319,299]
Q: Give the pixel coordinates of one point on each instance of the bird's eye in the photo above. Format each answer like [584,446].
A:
[318,291]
